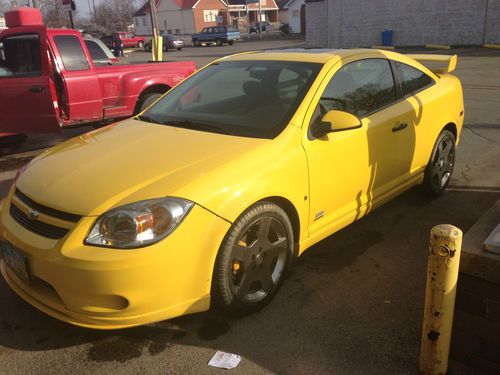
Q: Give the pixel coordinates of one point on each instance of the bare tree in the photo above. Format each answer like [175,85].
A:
[115,15]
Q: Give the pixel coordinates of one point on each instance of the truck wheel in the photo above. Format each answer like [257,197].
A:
[231,42]
[146,100]
[140,44]
[218,42]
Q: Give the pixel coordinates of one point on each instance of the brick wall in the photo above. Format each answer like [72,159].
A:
[357,23]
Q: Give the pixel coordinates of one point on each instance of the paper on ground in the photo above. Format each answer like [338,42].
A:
[224,360]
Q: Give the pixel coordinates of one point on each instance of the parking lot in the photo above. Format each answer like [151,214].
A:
[351,304]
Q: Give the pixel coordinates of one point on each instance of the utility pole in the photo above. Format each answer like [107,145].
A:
[71,19]
[248,20]
[157,39]
[260,19]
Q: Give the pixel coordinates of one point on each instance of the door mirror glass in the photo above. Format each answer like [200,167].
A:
[334,121]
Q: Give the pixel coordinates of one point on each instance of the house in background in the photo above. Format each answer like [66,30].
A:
[190,16]
[293,12]
[181,16]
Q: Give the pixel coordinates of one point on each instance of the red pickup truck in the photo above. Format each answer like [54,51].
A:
[48,79]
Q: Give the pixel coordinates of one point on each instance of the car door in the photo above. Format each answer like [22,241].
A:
[351,170]
[27,95]
[81,83]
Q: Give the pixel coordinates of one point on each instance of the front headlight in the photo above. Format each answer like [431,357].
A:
[138,224]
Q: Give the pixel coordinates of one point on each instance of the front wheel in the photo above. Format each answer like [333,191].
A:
[440,167]
[253,259]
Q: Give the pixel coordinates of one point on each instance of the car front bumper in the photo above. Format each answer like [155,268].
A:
[105,288]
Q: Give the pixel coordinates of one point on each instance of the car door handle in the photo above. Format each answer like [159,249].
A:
[36,89]
[399,127]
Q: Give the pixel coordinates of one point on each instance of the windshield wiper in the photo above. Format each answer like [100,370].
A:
[196,126]
[148,119]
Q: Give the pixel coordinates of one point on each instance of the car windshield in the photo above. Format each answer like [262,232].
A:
[243,98]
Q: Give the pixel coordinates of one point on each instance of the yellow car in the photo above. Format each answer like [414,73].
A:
[208,195]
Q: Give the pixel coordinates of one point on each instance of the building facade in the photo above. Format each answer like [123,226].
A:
[190,16]
[359,23]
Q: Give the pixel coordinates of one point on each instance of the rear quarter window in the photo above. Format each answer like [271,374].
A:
[71,52]
[412,80]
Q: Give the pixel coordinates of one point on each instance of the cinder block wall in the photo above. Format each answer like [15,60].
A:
[357,23]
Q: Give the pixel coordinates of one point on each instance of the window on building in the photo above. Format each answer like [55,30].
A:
[360,87]
[412,79]
[71,52]
[136,22]
[177,31]
[169,31]
[210,15]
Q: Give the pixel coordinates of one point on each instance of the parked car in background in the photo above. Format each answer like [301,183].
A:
[99,52]
[52,72]
[216,34]
[169,42]
[130,39]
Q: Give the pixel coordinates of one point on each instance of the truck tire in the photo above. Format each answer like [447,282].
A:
[145,100]
[231,42]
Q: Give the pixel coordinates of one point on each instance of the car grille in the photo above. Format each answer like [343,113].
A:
[37,226]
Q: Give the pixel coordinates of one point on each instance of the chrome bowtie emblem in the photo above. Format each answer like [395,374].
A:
[33,215]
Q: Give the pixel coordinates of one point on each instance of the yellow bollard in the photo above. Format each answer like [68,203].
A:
[157,48]
[442,276]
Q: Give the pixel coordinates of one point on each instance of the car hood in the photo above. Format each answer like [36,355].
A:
[127,162]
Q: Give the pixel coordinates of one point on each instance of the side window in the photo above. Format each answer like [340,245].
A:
[205,30]
[71,52]
[412,79]
[96,52]
[360,87]
[21,56]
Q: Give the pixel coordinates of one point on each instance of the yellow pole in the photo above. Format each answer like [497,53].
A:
[442,276]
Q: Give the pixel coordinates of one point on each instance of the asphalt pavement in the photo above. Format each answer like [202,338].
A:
[352,304]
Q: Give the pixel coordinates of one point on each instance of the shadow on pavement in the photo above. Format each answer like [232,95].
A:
[351,304]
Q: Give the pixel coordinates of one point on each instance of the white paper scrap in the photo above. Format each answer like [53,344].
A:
[224,360]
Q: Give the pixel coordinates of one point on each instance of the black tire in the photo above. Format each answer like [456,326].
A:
[231,42]
[146,100]
[179,48]
[219,42]
[441,164]
[147,47]
[140,44]
[253,259]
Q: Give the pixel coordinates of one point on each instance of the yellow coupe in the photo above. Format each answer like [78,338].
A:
[208,195]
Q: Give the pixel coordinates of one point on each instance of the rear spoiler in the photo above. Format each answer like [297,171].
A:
[440,64]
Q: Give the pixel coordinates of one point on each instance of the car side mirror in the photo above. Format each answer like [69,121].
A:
[335,121]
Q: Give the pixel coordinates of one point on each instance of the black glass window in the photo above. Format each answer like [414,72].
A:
[360,87]
[71,52]
[21,56]
[96,52]
[412,79]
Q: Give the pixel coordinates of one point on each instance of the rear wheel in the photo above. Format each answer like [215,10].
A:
[146,100]
[253,259]
[440,167]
